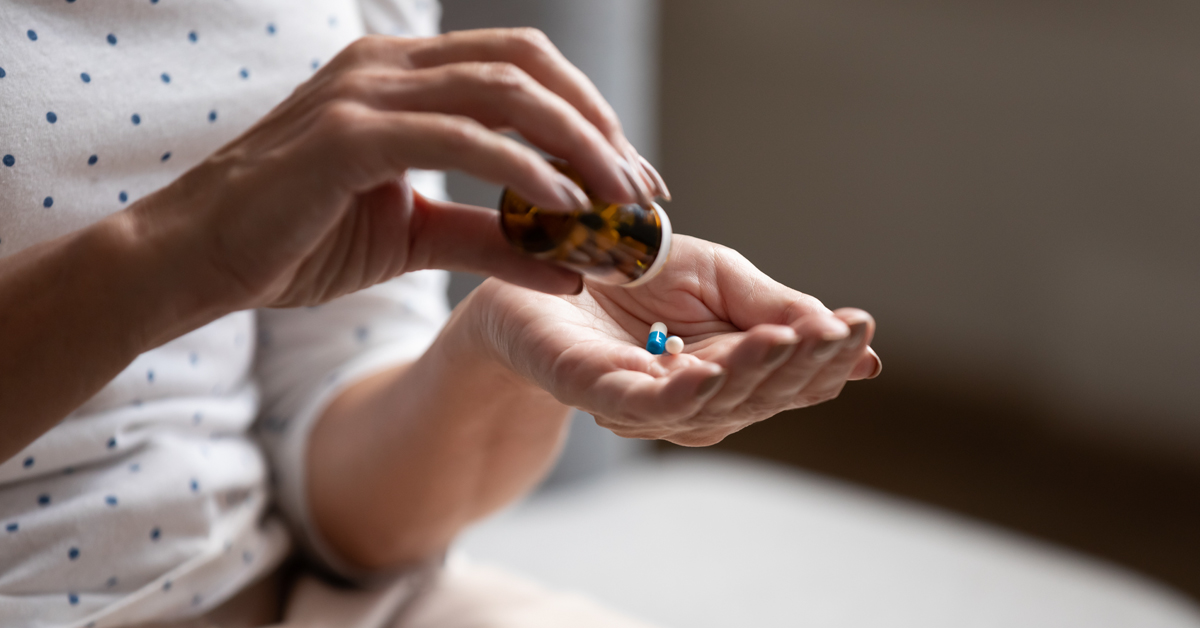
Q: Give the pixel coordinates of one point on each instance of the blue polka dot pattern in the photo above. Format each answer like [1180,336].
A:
[9,160]
[270,29]
[192,37]
[111,582]
[155,534]
[123,197]
[136,119]
[93,159]
[111,39]
[212,116]
[43,499]
[12,527]
[167,585]
[315,64]
[73,598]
[166,156]
[31,34]
[73,553]
[135,467]
[244,73]
[111,500]
[150,376]
[166,78]
[48,202]
[28,462]
[195,486]
[3,73]
[112,443]
[51,117]
[85,77]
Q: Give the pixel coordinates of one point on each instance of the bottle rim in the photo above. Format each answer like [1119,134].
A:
[664,250]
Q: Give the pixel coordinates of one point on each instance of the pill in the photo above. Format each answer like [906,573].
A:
[656,344]
[674,345]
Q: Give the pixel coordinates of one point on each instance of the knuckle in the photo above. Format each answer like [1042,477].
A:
[503,76]
[532,39]
[458,133]
[353,84]
[366,48]
[341,115]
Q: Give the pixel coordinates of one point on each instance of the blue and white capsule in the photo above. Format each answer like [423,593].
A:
[657,343]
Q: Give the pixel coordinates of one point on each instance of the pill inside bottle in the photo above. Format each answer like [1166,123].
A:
[621,244]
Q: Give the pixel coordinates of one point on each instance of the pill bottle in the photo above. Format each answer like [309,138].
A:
[612,242]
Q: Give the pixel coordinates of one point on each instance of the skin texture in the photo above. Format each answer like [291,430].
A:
[311,203]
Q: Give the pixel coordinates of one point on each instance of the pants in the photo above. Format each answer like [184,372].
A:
[459,595]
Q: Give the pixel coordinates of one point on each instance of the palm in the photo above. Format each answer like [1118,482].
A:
[753,347]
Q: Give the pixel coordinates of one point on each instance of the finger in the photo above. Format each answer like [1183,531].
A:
[498,95]
[827,383]
[744,295]
[869,367]
[645,405]
[750,360]
[533,52]
[822,337]
[464,238]
[359,148]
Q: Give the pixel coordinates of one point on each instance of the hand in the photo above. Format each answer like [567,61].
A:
[311,202]
[754,347]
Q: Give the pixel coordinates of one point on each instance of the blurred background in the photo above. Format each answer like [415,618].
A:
[1010,187]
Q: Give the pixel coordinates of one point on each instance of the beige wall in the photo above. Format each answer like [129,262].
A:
[1011,186]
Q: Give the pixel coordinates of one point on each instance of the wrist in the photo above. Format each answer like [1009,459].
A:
[154,278]
[477,342]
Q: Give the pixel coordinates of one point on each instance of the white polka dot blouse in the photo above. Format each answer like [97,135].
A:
[151,502]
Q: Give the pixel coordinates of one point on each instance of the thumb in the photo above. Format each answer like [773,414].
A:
[453,236]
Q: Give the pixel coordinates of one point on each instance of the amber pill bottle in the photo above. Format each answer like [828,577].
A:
[613,243]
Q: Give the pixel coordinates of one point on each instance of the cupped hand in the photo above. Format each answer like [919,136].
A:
[312,202]
[753,346]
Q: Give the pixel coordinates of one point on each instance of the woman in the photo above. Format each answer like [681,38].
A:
[144,247]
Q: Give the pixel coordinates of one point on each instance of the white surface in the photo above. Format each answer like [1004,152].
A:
[700,540]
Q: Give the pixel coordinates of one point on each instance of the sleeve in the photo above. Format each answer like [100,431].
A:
[402,18]
[307,356]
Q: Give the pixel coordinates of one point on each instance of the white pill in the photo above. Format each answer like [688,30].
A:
[659,327]
[674,345]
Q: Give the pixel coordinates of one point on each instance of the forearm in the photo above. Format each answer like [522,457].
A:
[402,461]
[74,312]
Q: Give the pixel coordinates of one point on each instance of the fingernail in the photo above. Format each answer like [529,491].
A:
[776,354]
[654,176]
[831,335]
[571,194]
[857,332]
[710,384]
[878,364]
[639,187]
[826,349]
